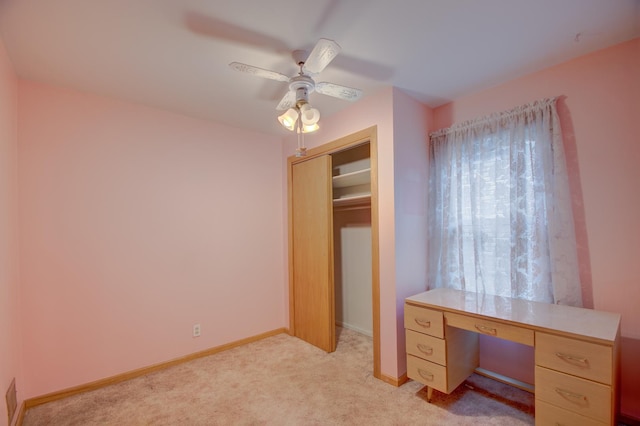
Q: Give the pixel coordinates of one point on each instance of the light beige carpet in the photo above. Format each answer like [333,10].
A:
[282,380]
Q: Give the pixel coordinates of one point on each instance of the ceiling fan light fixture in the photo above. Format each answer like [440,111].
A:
[309,115]
[310,128]
[300,117]
[288,119]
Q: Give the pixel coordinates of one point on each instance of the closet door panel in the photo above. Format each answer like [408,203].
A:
[313,287]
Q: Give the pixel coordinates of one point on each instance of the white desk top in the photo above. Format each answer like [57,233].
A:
[597,326]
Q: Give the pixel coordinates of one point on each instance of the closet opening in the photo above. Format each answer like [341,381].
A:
[351,182]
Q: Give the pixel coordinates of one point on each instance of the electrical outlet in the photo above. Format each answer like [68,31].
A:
[196,330]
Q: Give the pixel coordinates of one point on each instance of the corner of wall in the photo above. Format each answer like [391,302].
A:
[10,330]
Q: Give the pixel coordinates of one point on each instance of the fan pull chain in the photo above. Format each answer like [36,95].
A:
[302,150]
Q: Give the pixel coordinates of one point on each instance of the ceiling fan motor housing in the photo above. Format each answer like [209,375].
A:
[302,85]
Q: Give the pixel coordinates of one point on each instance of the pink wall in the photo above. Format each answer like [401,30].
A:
[411,125]
[600,113]
[137,224]
[402,125]
[10,363]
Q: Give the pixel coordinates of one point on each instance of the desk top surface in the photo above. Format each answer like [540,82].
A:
[594,325]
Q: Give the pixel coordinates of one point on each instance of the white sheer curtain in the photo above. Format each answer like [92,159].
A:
[500,217]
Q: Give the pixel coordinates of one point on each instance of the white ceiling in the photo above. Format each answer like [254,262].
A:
[174,54]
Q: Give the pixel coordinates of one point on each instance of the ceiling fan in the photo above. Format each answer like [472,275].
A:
[303,83]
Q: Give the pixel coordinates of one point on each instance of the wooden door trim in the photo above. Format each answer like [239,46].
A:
[369,135]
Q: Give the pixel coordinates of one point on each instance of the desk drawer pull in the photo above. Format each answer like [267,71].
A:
[573,397]
[423,322]
[427,350]
[425,374]
[575,360]
[486,330]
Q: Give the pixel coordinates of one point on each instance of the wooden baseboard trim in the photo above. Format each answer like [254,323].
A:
[395,381]
[21,411]
[32,402]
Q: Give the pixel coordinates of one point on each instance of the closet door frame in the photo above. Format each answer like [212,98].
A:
[368,135]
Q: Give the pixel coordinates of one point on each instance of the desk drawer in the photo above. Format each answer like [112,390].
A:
[580,396]
[424,320]
[427,373]
[582,359]
[492,328]
[547,414]
[426,347]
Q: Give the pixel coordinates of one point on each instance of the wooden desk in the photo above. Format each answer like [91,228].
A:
[576,350]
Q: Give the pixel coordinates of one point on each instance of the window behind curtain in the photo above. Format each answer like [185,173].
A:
[500,219]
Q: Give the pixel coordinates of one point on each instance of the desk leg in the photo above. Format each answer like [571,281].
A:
[429,393]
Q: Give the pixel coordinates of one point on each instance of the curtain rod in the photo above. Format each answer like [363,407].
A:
[539,104]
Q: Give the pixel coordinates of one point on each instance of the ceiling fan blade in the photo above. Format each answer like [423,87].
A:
[288,101]
[338,91]
[258,72]
[321,55]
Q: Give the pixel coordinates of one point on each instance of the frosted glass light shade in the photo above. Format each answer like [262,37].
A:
[310,128]
[309,115]
[288,119]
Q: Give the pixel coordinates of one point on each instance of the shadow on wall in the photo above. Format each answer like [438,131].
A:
[630,377]
[577,201]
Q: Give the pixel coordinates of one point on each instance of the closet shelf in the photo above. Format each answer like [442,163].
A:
[358,177]
[352,200]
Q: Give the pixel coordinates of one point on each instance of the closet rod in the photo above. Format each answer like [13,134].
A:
[346,208]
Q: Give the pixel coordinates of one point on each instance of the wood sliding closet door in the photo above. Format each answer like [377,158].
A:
[313,288]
